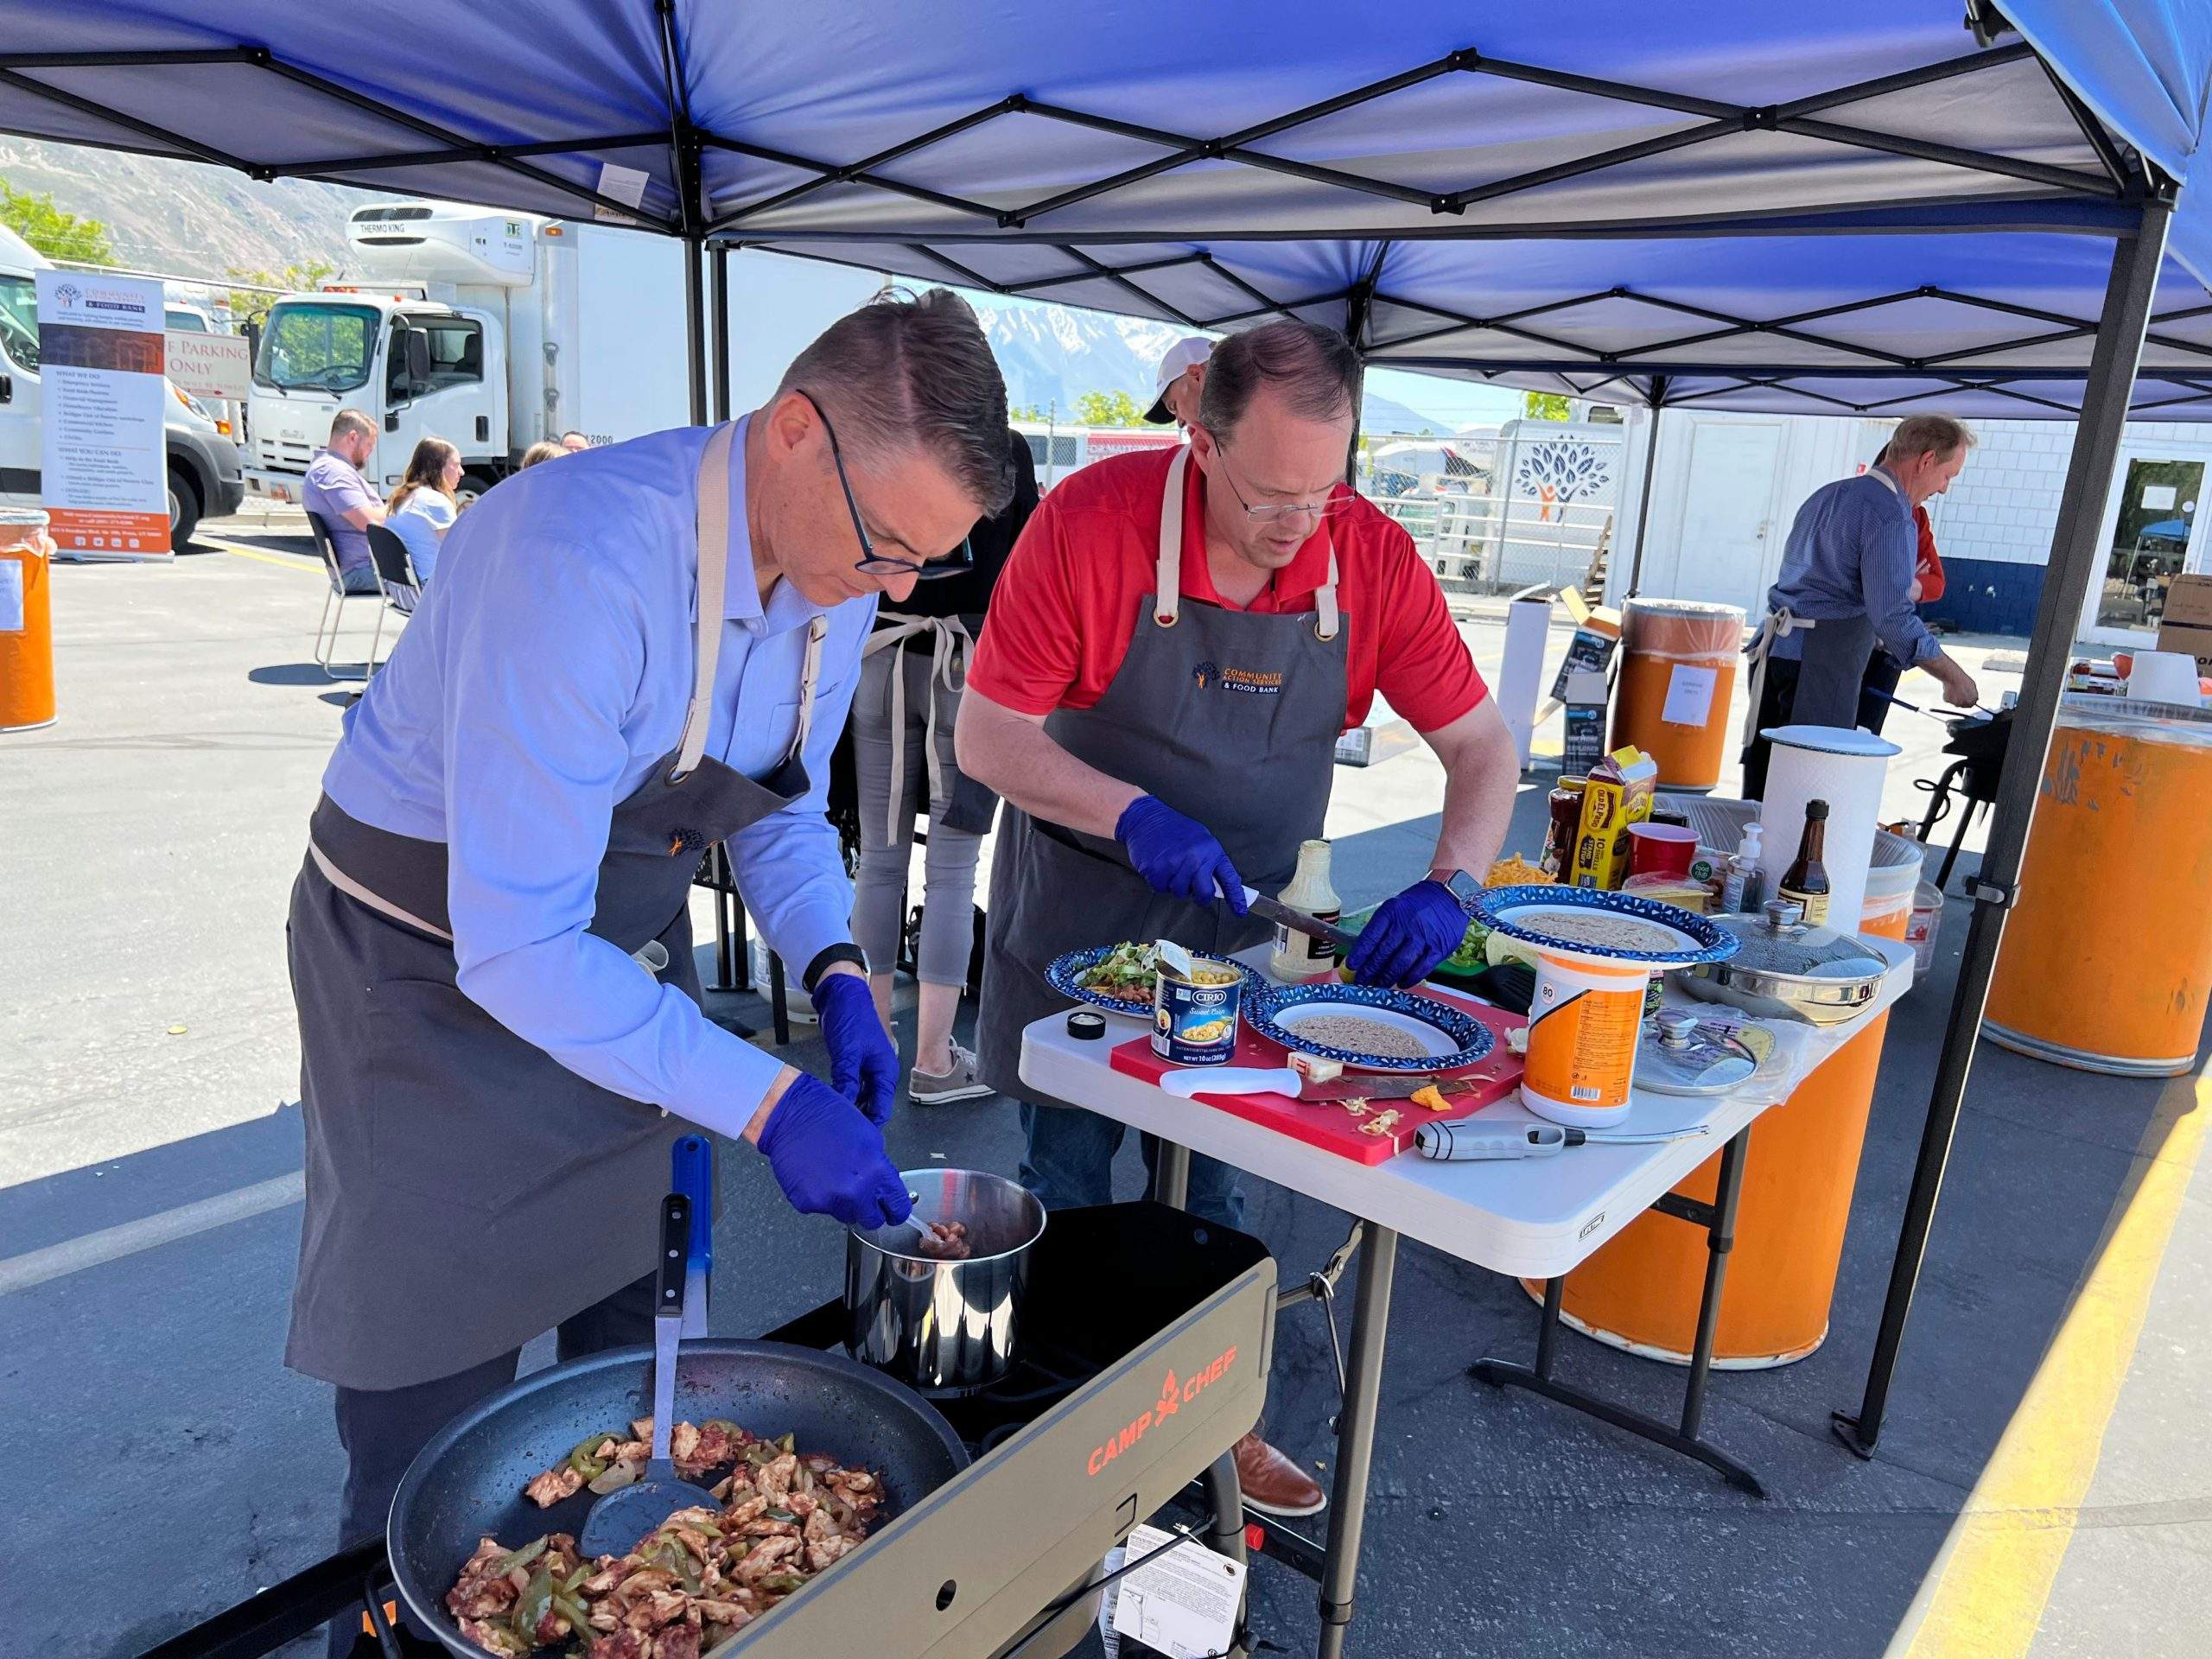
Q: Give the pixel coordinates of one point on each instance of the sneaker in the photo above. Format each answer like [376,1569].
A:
[942,1088]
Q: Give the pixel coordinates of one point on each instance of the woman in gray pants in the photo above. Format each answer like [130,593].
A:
[902,716]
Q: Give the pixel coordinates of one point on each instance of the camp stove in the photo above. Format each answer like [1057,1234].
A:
[1147,1339]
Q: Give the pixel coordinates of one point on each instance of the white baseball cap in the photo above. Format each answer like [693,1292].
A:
[1186,353]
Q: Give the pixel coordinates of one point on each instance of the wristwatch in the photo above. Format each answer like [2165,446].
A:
[1461,886]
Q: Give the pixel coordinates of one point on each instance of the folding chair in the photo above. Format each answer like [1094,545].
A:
[333,602]
[395,576]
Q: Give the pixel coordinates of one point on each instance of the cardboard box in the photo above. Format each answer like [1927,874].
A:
[1618,794]
[2190,641]
[1591,650]
[1586,725]
[2189,602]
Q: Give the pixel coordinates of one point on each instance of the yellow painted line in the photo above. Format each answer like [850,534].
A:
[259,557]
[1984,1598]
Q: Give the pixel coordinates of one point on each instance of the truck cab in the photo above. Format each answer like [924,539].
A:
[417,367]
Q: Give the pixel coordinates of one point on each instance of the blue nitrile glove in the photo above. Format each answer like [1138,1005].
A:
[863,1061]
[1407,935]
[829,1159]
[1177,855]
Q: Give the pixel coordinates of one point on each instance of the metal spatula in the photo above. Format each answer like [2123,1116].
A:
[619,1520]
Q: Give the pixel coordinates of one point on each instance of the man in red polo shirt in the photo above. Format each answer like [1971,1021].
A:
[1176,643]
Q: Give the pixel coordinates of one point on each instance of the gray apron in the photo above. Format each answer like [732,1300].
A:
[1833,665]
[466,1191]
[1229,716]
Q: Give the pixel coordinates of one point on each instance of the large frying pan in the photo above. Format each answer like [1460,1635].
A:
[467,1482]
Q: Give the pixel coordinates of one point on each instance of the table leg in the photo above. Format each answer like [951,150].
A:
[778,1003]
[725,947]
[1171,1175]
[1719,1219]
[1355,1437]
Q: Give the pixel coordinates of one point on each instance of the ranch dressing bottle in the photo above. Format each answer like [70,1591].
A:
[1296,956]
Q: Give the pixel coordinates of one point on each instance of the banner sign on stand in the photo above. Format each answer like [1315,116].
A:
[104,466]
[211,366]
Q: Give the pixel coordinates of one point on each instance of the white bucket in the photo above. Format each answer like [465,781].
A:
[1922,928]
[1584,1023]
[2165,677]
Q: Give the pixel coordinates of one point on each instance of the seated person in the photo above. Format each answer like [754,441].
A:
[424,507]
[335,490]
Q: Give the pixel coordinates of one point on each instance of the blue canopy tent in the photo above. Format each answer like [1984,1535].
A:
[1879,206]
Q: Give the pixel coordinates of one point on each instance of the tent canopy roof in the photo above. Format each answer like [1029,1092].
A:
[1215,164]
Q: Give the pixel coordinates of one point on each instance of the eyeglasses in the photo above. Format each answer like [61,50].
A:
[882,564]
[1329,507]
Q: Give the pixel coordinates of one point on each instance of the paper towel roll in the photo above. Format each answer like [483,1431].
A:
[1847,770]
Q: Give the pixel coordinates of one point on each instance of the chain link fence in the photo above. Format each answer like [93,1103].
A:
[1528,507]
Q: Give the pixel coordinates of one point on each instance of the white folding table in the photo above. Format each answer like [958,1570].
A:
[1528,1218]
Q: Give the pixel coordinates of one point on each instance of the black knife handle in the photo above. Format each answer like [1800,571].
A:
[674,1249]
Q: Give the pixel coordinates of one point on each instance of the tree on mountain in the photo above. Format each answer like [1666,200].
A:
[56,234]
[1109,409]
[249,306]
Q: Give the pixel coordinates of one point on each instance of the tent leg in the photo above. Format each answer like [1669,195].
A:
[695,326]
[722,332]
[2074,557]
[1644,501]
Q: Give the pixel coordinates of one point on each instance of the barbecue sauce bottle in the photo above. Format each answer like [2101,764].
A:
[1806,880]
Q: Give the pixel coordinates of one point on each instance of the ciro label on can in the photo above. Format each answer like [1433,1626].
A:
[1194,1024]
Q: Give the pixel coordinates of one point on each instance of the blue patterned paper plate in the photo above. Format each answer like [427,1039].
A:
[1062,973]
[1520,912]
[1452,1038]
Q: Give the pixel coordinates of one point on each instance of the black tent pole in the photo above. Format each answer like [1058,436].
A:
[722,331]
[1644,501]
[695,326]
[2075,558]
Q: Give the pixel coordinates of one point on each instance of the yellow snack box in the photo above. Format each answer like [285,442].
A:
[1618,794]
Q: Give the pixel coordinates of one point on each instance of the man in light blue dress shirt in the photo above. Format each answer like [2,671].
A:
[625,658]
[1845,586]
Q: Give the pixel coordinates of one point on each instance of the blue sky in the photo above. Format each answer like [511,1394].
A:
[1456,402]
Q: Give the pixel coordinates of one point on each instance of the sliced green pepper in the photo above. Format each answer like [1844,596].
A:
[529,1610]
[781,1584]
[522,1557]
[789,1442]
[575,1578]
[781,1515]
[575,1611]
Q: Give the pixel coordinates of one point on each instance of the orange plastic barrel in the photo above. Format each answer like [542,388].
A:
[1678,672]
[2106,960]
[25,622]
[1640,1291]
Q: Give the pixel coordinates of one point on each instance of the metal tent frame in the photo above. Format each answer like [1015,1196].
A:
[693,187]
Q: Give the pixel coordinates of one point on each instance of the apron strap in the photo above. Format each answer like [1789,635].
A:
[949,647]
[1778,624]
[1167,576]
[714,570]
[376,901]
[1325,602]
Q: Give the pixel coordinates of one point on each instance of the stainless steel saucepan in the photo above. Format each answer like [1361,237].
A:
[946,1326]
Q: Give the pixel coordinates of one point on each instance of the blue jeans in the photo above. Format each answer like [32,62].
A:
[1069,1163]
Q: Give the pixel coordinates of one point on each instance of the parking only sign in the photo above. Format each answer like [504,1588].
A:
[210,366]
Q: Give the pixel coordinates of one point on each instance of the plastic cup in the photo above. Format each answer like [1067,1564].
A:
[1661,849]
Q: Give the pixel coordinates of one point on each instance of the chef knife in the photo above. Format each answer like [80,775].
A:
[1282,1080]
[1274,910]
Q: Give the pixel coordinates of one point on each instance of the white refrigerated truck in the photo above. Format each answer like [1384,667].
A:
[495,330]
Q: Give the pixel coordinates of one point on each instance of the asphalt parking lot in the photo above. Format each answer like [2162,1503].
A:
[2041,1454]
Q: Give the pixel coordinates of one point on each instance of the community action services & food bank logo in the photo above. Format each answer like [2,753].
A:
[1253,681]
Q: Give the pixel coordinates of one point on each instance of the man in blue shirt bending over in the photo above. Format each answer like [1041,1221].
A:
[1846,584]
[626,659]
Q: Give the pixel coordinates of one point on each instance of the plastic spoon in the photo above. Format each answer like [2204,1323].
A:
[619,1520]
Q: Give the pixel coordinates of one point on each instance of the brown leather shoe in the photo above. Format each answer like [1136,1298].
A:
[1273,1484]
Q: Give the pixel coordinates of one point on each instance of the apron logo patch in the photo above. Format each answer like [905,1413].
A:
[685,840]
[1252,681]
[1205,674]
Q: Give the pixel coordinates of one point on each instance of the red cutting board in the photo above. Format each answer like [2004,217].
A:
[1326,1124]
